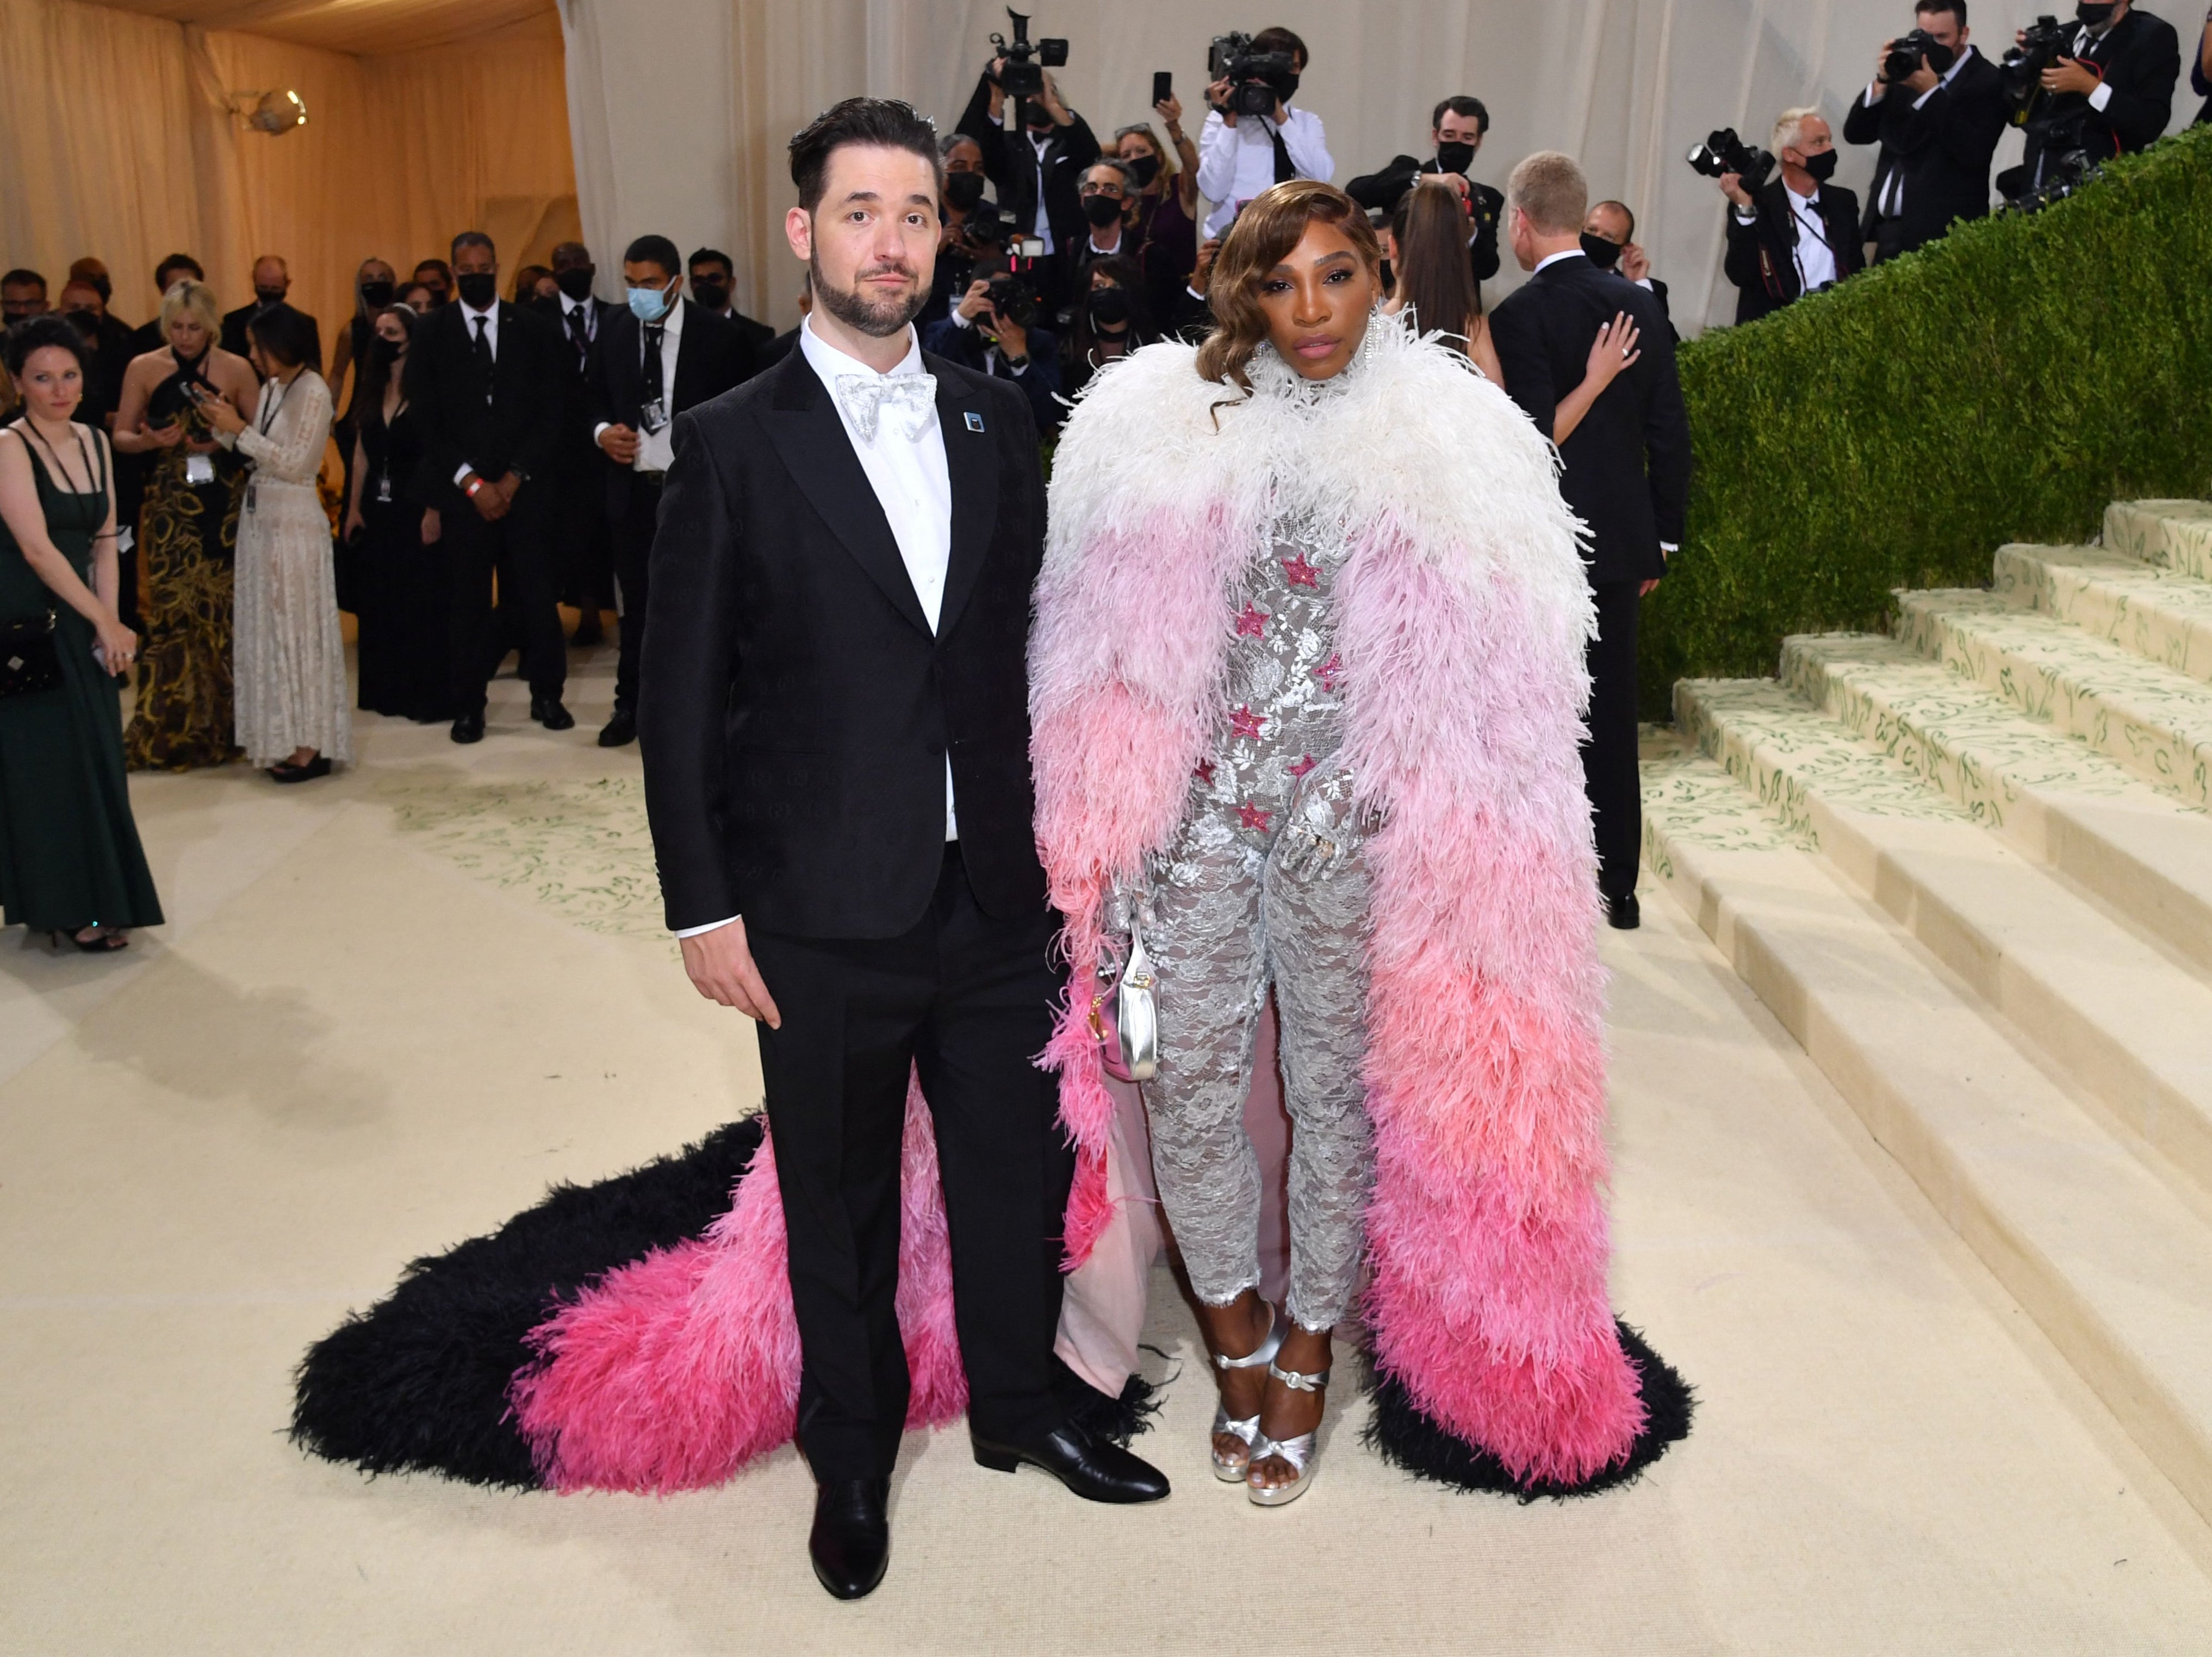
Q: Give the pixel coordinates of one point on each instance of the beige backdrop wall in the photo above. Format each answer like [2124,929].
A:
[680,109]
[116,139]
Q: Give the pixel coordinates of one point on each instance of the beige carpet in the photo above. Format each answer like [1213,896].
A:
[391,1007]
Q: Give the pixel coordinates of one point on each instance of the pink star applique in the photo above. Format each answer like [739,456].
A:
[1253,817]
[1301,574]
[1245,722]
[1330,670]
[1253,623]
[1309,763]
[1205,773]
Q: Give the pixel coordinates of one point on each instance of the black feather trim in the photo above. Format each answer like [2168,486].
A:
[1400,1433]
[1120,1419]
[418,1383]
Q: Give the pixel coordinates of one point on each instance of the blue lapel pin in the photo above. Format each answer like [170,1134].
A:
[975,420]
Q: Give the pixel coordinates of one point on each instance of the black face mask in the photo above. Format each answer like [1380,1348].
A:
[376,294]
[85,322]
[1101,211]
[710,291]
[1454,158]
[2093,15]
[1146,167]
[1603,253]
[964,190]
[576,280]
[1035,115]
[479,288]
[1822,166]
[438,295]
[269,296]
[1109,307]
[1285,86]
[385,351]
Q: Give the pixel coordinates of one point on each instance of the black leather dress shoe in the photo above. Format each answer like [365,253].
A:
[469,728]
[620,730]
[1096,1469]
[549,712]
[851,1542]
[1622,914]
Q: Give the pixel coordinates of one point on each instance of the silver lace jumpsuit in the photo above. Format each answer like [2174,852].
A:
[1265,885]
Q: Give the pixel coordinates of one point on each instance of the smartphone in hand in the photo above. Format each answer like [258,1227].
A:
[1162,85]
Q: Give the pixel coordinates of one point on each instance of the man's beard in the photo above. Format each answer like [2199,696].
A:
[880,318]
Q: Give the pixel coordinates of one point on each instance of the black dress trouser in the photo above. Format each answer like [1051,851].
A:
[514,546]
[633,580]
[1609,772]
[966,999]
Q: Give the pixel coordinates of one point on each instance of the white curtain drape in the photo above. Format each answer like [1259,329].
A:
[680,109]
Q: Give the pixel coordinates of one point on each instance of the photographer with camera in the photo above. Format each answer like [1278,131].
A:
[1457,127]
[973,226]
[1252,139]
[997,329]
[2105,91]
[1791,236]
[1936,107]
[1035,170]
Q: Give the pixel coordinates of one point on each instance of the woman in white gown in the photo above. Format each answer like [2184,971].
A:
[294,717]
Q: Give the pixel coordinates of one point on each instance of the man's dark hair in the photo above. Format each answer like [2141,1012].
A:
[1956,8]
[471,239]
[884,122]
[286,335]
[1279,38]
[40,332]
[439,266]
[1464,106]
[711,255]
[163,278]
[653,250]
[19,277]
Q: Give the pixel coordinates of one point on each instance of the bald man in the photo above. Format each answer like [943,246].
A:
[273,281]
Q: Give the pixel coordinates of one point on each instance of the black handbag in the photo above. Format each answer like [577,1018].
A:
[28,659]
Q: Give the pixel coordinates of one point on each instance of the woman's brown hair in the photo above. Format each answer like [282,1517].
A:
[1271,225]
[1434,278]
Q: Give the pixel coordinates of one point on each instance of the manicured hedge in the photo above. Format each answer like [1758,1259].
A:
[2002,385]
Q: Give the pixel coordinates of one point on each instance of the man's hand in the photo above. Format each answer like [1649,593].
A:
[977,301]
[620,443]
[1050,99]
[1732,187]
[1922,81]
[1648,588]
[1880,71]
[432,526]
[1634,263]
[1013,339]
[2070,75]
[721,964]
[489,503]
[1217,93]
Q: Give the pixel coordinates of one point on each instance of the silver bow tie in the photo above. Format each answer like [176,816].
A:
[864,398]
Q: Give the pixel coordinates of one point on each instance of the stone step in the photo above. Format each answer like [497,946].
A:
[2158,613]
[2177,534]
[2122,1015]
[2109,1259]
[2152,719]
[2049,795]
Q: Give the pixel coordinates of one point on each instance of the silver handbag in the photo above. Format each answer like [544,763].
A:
[1123,1015]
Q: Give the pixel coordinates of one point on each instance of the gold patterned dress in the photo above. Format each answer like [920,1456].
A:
[187,549]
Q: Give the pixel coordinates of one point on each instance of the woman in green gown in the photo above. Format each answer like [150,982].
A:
[71,863]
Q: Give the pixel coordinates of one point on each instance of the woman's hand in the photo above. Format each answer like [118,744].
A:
[221,416]
[1169,110]
[114,644]
[167,436]
[1614,349]
[432,526]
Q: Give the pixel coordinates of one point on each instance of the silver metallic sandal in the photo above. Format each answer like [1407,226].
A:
[1232,1472]
[1302,1453]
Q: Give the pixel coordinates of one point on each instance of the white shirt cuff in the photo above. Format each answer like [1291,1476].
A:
[961,321]
[1670,548]
[711,926]
[601,427]
[1193,293]
[1925,96]
[462,475]
[1644,282]
[1742,217]
[2101,98]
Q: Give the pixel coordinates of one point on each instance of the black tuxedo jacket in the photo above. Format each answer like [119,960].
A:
[797,711]
[2140,58]
[233,333]
[1010,163]
[1941,150]
[1762,255]
[575,447]
[1627,465]
[1383,190]
[516,427]
[712,354]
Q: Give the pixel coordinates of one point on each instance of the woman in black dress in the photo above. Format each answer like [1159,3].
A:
[71,863]
[398,586]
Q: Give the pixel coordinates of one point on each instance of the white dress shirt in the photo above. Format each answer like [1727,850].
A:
[1892,190]
[490,316]
[1235,163]
[1039,138]
[656,450]
[569,308]
[1816,260]
[914,486]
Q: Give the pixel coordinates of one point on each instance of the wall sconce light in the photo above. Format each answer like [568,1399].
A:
[273,112]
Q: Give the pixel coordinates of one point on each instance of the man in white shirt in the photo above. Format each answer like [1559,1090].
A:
[1240,156]
[1800,233]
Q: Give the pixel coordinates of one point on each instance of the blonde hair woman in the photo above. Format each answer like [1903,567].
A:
[1164,232]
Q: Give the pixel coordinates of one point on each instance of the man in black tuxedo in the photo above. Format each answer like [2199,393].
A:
[1609,239]
[1800,233]
[2112,97]
[1037,173]
[648,369]
[1456,127]
[836,733]
[1938,129]
[579,537]
[487,380]
[1627,471]
[714,288]
[273,281]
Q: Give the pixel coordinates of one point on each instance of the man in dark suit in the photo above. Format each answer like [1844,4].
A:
[273,281]
[1627,471]
[714,287]
[648,370]
[1037,173]
[582,542]
[980,336]
[487,380]
[1800,233]
[2112,97]
[1938,129]
[1609,239]
[1456,128]
[835,733]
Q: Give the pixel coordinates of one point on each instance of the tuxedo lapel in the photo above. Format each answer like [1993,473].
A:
[809,438]
[972,458]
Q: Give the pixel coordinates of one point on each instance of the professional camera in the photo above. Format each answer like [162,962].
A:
[2042,44]
[1012,299]
[1723,152]
[1021,75]
[1906,51]
[2064,171]
[1258,77]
